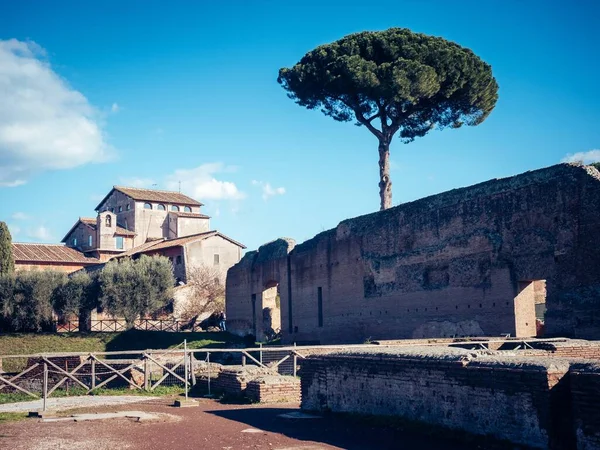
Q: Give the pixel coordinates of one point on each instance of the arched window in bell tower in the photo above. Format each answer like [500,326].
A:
[108,221]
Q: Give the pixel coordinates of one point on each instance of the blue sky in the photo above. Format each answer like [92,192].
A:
[153,93]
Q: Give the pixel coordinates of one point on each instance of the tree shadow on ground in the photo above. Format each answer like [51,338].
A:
[350,432]
[142,340]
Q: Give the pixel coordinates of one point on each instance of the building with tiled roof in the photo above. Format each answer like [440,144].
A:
[210,248]
[132,222]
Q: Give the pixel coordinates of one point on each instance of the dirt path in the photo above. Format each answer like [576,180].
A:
[212,426]
[61,403]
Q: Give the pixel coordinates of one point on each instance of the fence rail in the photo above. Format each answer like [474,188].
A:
[45,374]
[116,325]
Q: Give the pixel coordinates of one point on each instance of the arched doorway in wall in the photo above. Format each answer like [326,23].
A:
[271,310]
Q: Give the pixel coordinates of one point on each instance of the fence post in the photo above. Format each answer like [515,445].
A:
[208,365]
[295,361]
[192,373]
[93,373]
[45,387]
[146,372]
[260,354]
[243,360]
[185,363]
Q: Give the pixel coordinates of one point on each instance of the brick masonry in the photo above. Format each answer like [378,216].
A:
[529,400]
[585,391]
[461,263]
[257,384]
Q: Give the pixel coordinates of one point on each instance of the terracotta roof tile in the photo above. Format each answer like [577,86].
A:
[187,214]
[26,252]
[153,195]
[168,243]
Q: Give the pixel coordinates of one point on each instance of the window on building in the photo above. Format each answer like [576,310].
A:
[126,227]
[216,260]
[147,206]
[161,207]
[74,242]
[120,209]
[175,208]
[120,242]
[90,241]
[108,221]
[187,209]
[112,210]
[178,260]
[128,206]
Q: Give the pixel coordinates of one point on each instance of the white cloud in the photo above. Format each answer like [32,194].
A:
[201,182]
[137,182]
[20,216]
[40,233]
[115,108]
[584,157]
[267,190]
[44,123]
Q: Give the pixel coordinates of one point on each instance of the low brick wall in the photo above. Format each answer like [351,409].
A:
[570,348]
[233,380]
[585,395]
[257,384]
[274,389]
[523,400]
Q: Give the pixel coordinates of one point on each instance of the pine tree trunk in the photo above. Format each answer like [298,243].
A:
[385,183]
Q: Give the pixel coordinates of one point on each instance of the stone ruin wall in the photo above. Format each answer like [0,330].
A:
[532,401]
[454,264]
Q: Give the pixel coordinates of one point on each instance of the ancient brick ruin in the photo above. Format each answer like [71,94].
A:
[537,398]
[468,262]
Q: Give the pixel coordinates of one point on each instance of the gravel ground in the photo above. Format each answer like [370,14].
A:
[212,425]
[62,403]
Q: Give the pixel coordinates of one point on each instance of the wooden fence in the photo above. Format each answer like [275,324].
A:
[148,369]
[116,325]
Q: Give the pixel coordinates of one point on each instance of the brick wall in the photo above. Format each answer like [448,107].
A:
[567,349]
[274,389]
[443,266]
[585,389]
[62,267]
[523,400]
[257,384]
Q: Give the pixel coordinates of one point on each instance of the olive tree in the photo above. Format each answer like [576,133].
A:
[77,296]
[134,288]
[393,82]
[29,305]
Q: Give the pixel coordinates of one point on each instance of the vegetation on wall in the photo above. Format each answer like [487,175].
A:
[409,83]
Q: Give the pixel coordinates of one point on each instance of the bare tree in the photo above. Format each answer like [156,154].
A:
[206,296]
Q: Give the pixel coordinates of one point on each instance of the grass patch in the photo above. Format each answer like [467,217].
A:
[11,417]
[160,391]
[31,343]
[15,397]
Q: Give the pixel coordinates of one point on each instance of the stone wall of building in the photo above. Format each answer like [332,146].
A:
[447,265]
[523,400]
[213,251]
